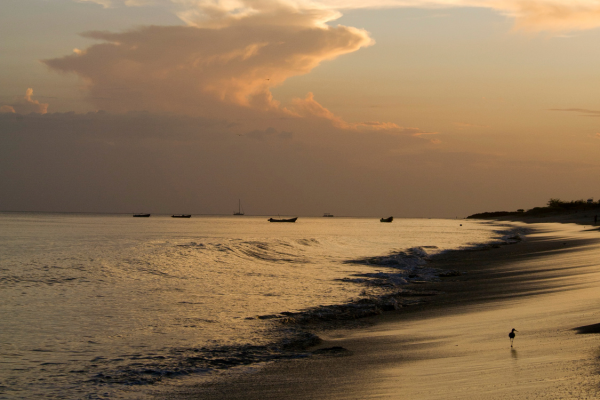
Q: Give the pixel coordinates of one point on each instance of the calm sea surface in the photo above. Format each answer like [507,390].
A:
[109,306]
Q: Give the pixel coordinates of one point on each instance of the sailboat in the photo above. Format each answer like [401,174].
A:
[239,211]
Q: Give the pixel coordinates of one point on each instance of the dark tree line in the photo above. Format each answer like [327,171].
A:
[554,206]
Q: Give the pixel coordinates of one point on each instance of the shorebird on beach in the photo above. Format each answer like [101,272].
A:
[511,335]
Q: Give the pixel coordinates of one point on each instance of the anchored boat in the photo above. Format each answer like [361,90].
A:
[282,220]
[240,210]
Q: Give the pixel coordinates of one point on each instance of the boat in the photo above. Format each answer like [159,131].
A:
[282,220]
[328,215]
[240,211]
[141,215]
[181,216]
[388,219]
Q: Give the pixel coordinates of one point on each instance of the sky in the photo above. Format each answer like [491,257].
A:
[410,108]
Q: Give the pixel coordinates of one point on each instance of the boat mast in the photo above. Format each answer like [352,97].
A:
[240,212]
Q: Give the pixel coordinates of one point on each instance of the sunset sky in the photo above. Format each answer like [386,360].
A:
[409,108]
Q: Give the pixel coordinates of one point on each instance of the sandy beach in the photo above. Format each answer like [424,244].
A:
[456,345]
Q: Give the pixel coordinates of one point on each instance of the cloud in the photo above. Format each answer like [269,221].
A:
[25,105]
[120,162]
[128,3]
[7,109]
[584,112]
[532,15]
[104,3]
[310,108]
[216,71]
[103,162]
[224,63]
[425,135]
[552,15]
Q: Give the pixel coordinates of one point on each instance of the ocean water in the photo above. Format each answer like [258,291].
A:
[110,306]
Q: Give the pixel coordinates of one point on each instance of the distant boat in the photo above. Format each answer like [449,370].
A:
[181,216]
[240,211]
[282,220]
[388,219]
[328,215]
[141,215]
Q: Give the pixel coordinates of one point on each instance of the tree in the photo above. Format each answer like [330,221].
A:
[554,203]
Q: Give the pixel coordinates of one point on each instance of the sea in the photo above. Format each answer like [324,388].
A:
[97,306]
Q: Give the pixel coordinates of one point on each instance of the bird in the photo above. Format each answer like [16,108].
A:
[511,335]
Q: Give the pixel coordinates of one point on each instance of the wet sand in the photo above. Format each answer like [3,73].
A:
[456,346]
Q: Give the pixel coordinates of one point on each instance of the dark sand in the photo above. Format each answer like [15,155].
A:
[456,346]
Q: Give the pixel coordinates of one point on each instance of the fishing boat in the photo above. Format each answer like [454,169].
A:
[328,215]
[141,215]
[240,211]
[388,219]
[181,216]
[282,220]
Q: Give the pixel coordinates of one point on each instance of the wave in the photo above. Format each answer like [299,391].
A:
[136,369]
[276,251]
[394,285]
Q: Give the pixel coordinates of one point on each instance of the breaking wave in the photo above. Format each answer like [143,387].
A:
[277,251]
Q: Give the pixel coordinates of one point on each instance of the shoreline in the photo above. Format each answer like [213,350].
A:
[343,365]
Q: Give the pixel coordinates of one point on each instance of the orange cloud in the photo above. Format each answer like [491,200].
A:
[582,111]
[532,15]
[552,15]
[310,108]
[129,3]
[25,105]
[225,62]
[424,135]
[105,3]
[207,71]
[215,14]
[7,110]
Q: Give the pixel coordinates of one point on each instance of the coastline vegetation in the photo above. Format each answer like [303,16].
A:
[553,207]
